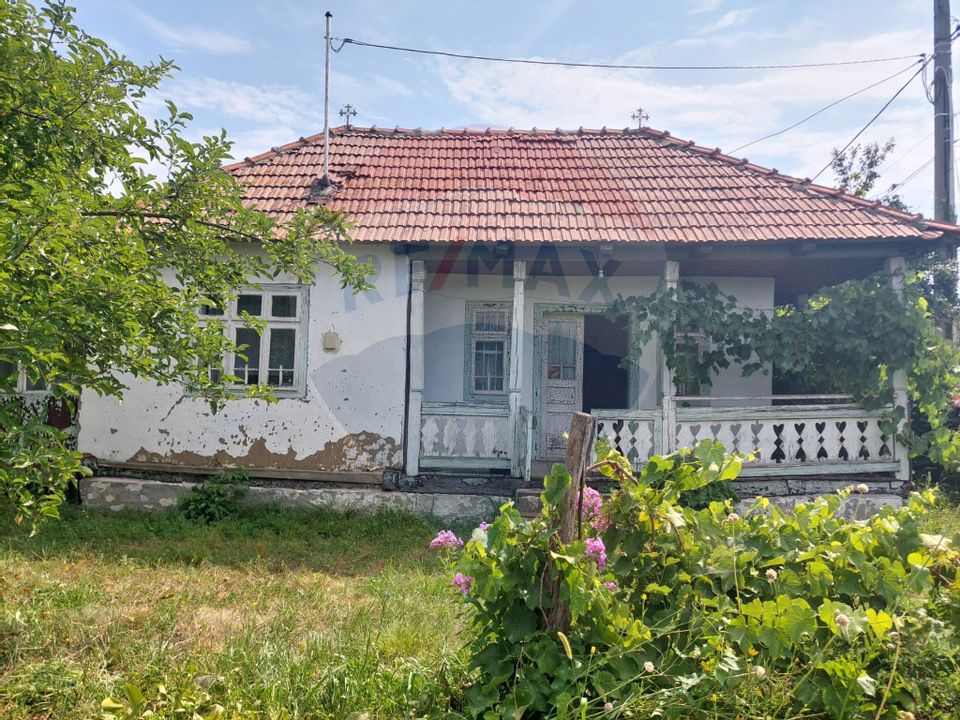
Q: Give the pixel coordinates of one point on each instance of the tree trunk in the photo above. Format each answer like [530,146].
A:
[583,432]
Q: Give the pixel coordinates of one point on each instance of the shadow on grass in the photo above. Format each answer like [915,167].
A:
[338,543]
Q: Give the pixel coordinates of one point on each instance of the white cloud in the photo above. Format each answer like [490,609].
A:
[187,37]
[727,20]
[274,104]
[721,109]
[703,6]
[254,142]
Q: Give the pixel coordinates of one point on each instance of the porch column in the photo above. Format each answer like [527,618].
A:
[895,268]
[668,403]
[415,350]
[516,362]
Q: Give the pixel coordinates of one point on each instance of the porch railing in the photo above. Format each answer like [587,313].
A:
[635,434]
[462,435]
[809,435]
[806,439]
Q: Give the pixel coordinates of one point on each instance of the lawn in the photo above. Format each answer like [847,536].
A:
[269,614]
[276,613]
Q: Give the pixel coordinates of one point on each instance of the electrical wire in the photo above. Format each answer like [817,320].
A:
[615,66]
[911,176]
[915,173]
[879,112]
[823,109]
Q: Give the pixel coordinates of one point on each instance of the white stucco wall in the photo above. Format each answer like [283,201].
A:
[755,294]
[445,307]
[351,418]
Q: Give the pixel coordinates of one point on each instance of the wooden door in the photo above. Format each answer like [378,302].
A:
[561,380]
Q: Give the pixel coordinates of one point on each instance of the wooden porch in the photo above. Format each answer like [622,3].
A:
[800,436]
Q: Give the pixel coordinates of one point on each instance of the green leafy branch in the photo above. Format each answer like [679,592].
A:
[848,338]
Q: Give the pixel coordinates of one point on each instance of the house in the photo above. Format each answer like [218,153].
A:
[497,254]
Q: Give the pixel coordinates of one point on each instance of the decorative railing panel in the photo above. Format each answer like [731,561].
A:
[795,436]
[788,439]
[455,432]
[633,433]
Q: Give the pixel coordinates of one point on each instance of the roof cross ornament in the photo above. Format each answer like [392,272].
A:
[347,112]
[641,117]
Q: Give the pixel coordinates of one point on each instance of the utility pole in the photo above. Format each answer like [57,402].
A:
[325,181]
[943,190]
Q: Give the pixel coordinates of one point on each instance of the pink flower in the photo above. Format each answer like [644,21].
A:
[593,509]
[611,586]
[463,582]
[484,525]
[597,552]
[445,539]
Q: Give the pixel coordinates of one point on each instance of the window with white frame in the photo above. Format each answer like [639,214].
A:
[488,326]
[276,357]
[19,380]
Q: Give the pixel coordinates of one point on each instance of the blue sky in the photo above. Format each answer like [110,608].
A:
[256,69]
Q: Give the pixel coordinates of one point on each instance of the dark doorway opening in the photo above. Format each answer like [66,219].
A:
[606,382]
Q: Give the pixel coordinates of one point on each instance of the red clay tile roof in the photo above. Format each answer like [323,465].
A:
[574,186]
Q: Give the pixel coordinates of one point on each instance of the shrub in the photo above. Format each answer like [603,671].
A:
[675,612]
[216,498]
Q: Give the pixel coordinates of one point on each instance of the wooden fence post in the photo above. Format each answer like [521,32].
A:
[583,432]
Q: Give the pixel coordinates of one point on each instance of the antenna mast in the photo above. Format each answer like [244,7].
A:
[326,102]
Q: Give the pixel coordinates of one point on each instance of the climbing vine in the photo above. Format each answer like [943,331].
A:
[848,338]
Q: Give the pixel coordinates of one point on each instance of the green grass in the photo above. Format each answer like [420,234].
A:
[272,613]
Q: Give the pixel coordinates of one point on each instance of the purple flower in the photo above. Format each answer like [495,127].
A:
[445,539]
[484,525]
[597,552]
[463,582]
[593,509]
[611,586]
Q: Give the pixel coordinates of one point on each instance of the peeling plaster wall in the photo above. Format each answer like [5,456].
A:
[445,316]
[351,418]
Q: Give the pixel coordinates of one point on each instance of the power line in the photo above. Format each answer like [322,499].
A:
[615,66]
[878,114]
[822,110]
[911,176]
[907,152]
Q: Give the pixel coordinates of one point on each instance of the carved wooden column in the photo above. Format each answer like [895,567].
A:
[668,402]
[415,350]
[896,267]
[516,362]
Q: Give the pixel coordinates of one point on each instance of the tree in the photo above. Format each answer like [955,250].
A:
[105,262]
[858,168]
[857,171]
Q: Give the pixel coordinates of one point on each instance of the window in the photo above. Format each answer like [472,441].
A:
[488,331]
[562,351]
[275,357]
[21,383]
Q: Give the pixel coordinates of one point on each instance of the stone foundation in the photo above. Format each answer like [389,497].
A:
[114,493]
